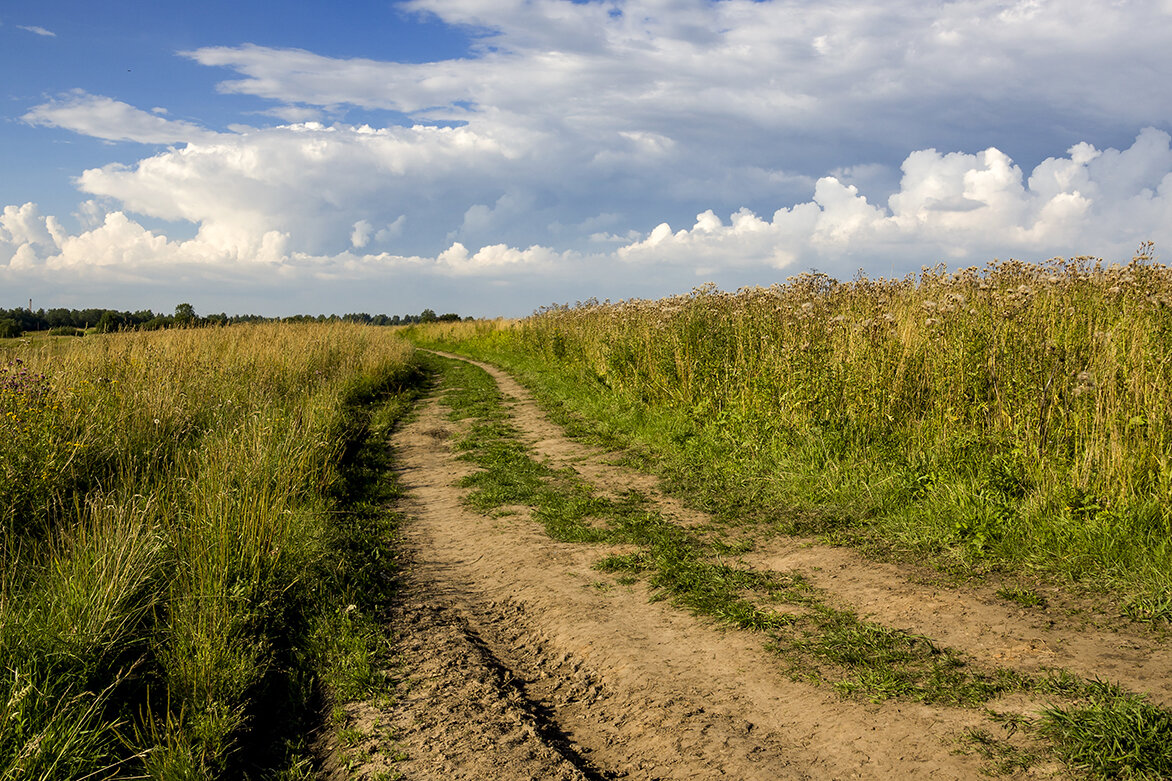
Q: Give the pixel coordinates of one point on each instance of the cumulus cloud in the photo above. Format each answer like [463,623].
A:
[120,246]
[360,237]
[113,120]
[660,73]
[584,131]
[309,181]
[657,109]
[953,207]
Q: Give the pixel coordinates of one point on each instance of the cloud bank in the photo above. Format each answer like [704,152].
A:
[256,221]
[569,140]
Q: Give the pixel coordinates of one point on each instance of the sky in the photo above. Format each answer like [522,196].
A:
[489,157]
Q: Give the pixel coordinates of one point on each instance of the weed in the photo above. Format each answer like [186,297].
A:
[1004,757]
[1150,608]
[1015,415]
[1025,597]
[1112,734]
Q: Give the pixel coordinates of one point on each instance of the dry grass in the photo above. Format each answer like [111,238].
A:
[163,497]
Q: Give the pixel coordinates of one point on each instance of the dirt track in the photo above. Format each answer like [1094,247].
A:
[524,662]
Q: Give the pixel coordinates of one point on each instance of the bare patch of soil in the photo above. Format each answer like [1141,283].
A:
[989,629]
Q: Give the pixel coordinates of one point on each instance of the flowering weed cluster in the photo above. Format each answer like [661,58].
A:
[30,461]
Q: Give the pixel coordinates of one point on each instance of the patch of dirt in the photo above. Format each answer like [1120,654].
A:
[549,442]
[991,630]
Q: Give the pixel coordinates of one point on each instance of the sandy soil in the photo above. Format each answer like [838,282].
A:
[524,662]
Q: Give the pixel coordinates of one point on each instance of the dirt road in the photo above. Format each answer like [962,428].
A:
[523,661]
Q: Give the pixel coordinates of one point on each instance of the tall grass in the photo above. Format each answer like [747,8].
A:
[1017,413]
[164,499]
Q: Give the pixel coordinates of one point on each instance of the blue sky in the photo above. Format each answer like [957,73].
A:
[492,156]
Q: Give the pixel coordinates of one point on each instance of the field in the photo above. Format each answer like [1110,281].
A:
[181,537]
[892,529]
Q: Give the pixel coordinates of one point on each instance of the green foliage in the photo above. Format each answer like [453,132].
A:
[184,314]
[1113,734]
[1026,597]
[110,322]
[9,328]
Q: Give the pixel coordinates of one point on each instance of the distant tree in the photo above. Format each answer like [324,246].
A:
[109,322]
[156,322]
[427,316]
[450,317]
[9,329]
[184,314]
[58,318]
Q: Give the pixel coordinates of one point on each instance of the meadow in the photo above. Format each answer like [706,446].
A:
[190,544]
[196,550]
[1014,418]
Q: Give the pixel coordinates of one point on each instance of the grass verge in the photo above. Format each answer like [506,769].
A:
[179,522]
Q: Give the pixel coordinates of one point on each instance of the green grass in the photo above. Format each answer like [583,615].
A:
[1089,725]
[1026,597]
[1112,733]
[183,526]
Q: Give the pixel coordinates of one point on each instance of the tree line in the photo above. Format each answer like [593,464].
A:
[14,322]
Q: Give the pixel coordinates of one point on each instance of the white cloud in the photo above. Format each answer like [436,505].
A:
[957,207]
[393,230]
[113,120]
[360,237]
[661,72]
[294,114]
[32,28]
[966,208]
[572,126]
[123,248]
[24,225]
[309,181]
[656,109]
